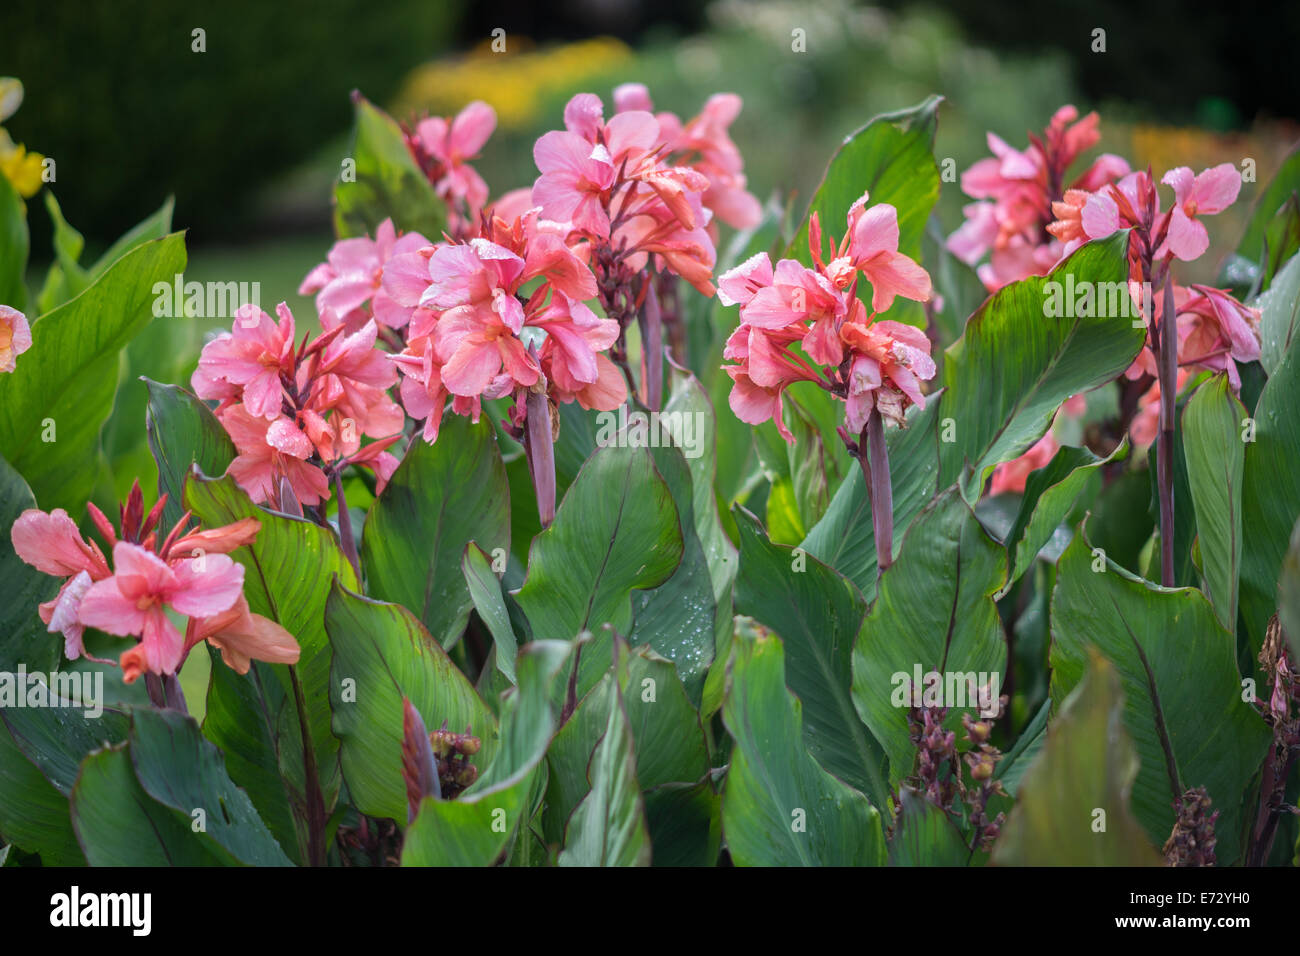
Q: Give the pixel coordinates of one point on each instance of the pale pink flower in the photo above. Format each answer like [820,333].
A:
[1010,476]
[246,363]
[873,249]
[240,635]
[134,599]
[269,451]
[574,175]
[444,148]
[1213,191]
[351,278]
[15,337]
[53,545]
[1216,331]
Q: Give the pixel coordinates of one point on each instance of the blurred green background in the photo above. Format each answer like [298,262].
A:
[248,135]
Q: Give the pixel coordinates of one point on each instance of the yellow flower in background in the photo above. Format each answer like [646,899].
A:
[21,168]
[514,83]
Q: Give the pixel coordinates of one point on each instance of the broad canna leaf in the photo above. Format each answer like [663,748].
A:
[385,182]
[1072,805]
[1270,494]
[780,808]
[476,828]
[383,655]
[818,613]
[1215,455]
[1050,495]
[1184,704]
[288,571]
[51,412]
[934,612]
[14,246]
[608,827]
[441,497]
[616,531]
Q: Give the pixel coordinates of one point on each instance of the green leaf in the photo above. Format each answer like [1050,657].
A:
[689,417]
[23,635]
[119,824]
[14,245]
[1050,495]
[1285,183]
[183,432]
[68,400]
[382,654]
[891,158]
[1270,494]
[387,185]
[476,827]
[67,279]
[441,497]
[1017,362]
[1288,593]
[685,822]
[817,613]
[669,743]
[56,737]
[176,766]
[1215,457]
[615,531]
[1183,701]
[780,808]
[934,612]
[489,602]
[678,618]
[288,572]
[1088,765]
[608,827]
[1279,321]
[924,835]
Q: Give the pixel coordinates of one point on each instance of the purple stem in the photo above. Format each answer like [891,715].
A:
[540,448]
[874,458]
[1167,367]
[345,527]
[650,320]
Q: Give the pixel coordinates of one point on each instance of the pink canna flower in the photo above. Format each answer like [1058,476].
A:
[1216,331]
[240,635]
[1010,476]
[350,279]
[133,601]
[1213,191]
[246,364]
[443,148]
[873,250]
[889,362]
[53,545]
[1023,192]
[575,174]
[15,337]
[269,451]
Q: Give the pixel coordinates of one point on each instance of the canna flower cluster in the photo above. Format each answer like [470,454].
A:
[297,414]
[1214,330]
[186,572]
[471,318]
[442,147]
[615,190]
[873,365]
[348,285]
